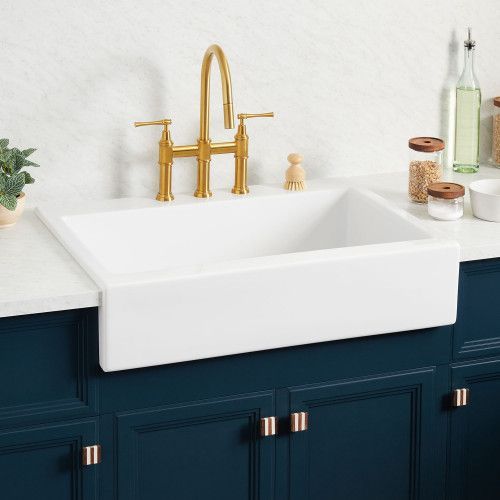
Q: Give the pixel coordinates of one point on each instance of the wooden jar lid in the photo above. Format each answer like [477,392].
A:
[426,144]
[446,190]
[496,101]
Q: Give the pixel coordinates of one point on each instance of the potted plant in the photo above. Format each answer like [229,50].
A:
[12,181]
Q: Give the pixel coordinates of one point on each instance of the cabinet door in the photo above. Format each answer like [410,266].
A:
[475,433]
[44,462]
[477,330]
[369,438]
[207,449]
[50,362]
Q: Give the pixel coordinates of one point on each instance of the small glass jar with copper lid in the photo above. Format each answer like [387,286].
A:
[496,132]
[446,200]
[426,166]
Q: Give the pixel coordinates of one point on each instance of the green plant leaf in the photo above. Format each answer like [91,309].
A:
[3,180]
[5,155]
[27,152]
[28,163]
[9,165]
[14,185]
[27,178]
[4,143]
[18,162]
[9,201]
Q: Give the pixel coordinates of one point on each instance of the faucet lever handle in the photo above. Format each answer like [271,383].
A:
[165,159]
[165,122]
[244,116]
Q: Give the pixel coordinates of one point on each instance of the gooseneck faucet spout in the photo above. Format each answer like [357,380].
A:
[227,90]
[204,146]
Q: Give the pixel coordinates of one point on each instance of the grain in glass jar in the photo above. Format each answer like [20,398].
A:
[446,200]
[426,166]
[496,132]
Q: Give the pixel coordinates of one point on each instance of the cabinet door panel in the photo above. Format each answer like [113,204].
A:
[209,449]
[477,330]
[44,463]
[50,362]
[367,439]
[475,433]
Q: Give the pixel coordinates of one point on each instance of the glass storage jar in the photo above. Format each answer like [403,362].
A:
[446,200]
[496,132]
[426,166]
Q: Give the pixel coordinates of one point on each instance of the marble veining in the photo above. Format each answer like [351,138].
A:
[349,85]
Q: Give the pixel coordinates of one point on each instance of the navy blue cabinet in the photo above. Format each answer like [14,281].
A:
[48,367]
[208,449]
[381,423]
[368,438]
[477,330]
[475,433]
[44,462]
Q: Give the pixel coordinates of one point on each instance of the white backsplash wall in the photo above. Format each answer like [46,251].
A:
[349,81]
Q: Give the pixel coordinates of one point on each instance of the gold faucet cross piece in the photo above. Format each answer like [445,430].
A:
[205,148]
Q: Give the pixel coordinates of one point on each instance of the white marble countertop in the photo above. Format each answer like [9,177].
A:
[38,275]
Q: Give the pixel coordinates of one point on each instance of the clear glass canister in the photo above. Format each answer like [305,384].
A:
[426,166]
[496,132]
[446,200]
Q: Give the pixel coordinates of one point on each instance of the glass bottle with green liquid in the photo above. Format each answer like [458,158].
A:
[468,106]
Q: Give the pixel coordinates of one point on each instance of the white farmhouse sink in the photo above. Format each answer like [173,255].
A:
[201,278]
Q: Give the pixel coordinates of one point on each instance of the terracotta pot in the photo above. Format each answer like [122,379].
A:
[10,217]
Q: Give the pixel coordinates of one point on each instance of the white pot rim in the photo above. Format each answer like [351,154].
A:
[485,187]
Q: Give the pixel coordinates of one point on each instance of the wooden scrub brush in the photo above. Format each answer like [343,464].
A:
[295,175]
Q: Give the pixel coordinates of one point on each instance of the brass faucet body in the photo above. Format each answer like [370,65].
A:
[241,153]
[204,153]
[205,148]
[165,159]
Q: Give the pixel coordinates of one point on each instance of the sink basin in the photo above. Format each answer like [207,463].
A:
[201,278]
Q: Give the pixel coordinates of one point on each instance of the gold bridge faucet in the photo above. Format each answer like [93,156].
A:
[205,148]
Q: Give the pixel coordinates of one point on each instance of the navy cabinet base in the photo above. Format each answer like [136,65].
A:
[360,419]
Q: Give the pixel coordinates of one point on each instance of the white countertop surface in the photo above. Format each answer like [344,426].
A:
[38,275]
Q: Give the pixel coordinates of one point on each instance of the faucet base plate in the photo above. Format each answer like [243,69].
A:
[240,190]
[165,197]
[202,194]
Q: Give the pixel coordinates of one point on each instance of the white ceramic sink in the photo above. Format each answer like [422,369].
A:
[202,278]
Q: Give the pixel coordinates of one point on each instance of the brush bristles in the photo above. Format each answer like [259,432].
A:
[295,185]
